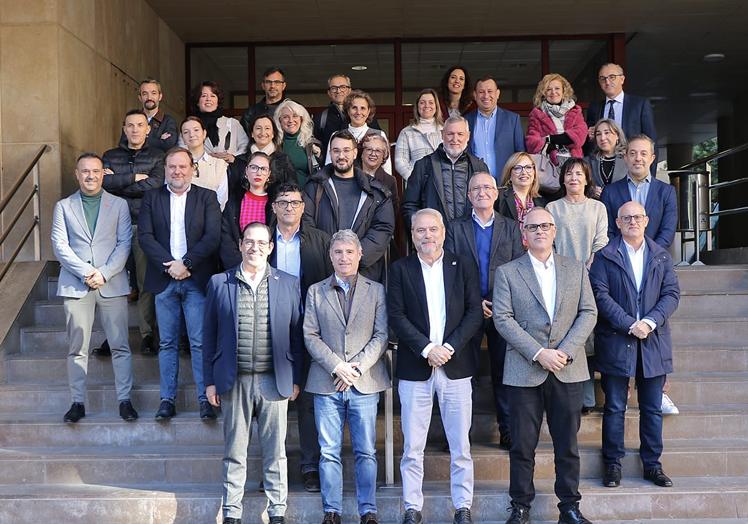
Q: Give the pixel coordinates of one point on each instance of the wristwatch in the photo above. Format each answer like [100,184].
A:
[187,263]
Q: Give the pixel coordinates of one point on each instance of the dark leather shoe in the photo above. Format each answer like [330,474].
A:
[102,351]
[166,410]
[231,520]
[412,516]
[331,518]
[520,515]
[206,411]
[369,518]
[572,515]
[612,476]
[463,516]
[76,412]
[148,345]
[505,441]
[278,520]
[311,481]
[658,478]
[127,412]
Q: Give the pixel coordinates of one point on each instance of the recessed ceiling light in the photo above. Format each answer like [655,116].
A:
[657,98]
[714,57]
[359,68]
[702,94]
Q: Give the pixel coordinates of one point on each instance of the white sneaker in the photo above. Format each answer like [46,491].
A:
[668,406]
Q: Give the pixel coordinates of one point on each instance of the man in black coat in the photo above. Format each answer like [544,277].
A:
[489,240]
[131,169]
[163,134]
[434,308]
[179,229]
[274,87]
[341,196]
[440,180]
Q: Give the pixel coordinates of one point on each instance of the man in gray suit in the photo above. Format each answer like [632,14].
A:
[345,330]
[91,236]
[544,308]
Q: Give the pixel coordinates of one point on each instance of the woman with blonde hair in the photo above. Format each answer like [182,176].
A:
[422,136]
[607,161]
[298,142]
[520,190]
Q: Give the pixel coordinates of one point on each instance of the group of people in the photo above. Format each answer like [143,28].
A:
[266,242]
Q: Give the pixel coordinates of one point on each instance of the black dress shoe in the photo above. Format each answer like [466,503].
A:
[148,346]
[331,518]
[369,518]
[505,441]
[76,412]
[278,520]
[127,412]
[412,516]
[311,481]
[658,477]
[586,410]
[166,410]
[102,351]
[463,516]
[612,476]
[572,515]
[520,515]
[231,520]
[206,411]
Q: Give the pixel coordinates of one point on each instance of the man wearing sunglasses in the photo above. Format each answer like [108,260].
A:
[544,308]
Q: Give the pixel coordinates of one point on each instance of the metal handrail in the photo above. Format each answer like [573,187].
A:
[6,268]
[715,156]
[14,189]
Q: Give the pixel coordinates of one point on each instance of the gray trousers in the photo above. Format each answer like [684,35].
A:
[308,439]
[146,305]
[255,395]
[79,317]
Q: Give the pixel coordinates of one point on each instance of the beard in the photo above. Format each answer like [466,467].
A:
[150,105]
[342,169]
[454,152]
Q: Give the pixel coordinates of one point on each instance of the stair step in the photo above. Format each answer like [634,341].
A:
[710,279]
[707,359]
[691,498]
[712,305]
[52,313]
[712,332]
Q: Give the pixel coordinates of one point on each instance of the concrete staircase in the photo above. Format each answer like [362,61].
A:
[106,470]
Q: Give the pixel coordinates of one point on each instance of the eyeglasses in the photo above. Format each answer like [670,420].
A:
[274,82]
[609,78]
[284,204]
[626,219]
[337,89]
[477,189]
[529,168]
[345,151]
[254,168]
[545,226]
[262,244]
[372,151]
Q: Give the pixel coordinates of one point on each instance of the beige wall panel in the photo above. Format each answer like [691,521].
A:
[77,103]
[171,70]
[78,17]
[28,11]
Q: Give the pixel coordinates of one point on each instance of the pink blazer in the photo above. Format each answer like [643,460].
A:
[541,125]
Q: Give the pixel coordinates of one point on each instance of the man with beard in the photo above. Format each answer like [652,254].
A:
[451,166]
[163,134]
[341,196]
[274,86]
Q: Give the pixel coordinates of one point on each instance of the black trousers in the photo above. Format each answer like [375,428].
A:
[496,352]
[562,404]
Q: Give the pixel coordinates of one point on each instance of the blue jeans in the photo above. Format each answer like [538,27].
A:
[180,295]
[331,413]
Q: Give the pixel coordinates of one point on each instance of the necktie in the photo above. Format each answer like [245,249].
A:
[611,111]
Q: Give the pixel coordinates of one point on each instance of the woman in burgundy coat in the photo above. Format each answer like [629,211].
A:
[556,126]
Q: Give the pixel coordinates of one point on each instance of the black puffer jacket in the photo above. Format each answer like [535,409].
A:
[126,163]
[374,223]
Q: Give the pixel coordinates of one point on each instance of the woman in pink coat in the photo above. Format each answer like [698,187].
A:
[556,124]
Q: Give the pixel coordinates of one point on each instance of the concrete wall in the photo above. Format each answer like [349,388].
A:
[68,72]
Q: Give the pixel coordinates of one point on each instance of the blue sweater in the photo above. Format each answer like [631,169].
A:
[483,247]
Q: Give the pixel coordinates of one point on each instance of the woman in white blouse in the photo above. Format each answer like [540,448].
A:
[211,172]
[422,136]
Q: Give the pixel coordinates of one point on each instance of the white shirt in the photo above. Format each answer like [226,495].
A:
[545,272]
[636,258]
[177,233]
[436,302]
[478,221]
[617,108]
[254,282]
[288,253]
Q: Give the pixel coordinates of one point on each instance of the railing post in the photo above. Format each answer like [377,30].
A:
[697,223]
[389,426]
[37,216]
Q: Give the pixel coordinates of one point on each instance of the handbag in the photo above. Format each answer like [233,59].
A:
[547,172]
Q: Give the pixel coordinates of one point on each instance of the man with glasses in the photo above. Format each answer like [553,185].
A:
[440,180]
[274,86]
[544,308]
[632,113]
[253,363]
[639,185]
[490,240]
[341,196]
[637,292]
[333,118]
[301,251]
[179,230]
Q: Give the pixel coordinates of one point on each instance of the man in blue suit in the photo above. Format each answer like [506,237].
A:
[495,134]
[636,292]
[252,363]
[657,198]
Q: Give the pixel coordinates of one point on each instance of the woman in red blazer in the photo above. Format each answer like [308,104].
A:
[556,124]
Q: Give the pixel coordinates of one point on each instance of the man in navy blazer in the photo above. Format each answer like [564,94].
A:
[252,362]
[636,292]
[657,198]
[495,134]
[179,230]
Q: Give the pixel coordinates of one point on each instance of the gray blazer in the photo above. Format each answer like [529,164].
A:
[79,252]
[330,340]
[520,317]
[619,170]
